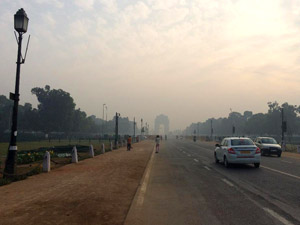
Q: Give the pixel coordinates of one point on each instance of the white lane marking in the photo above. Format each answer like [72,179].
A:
[183,151]
[141,195]
[277,216]
[196,160]
[278,171]
[228,182]
[188,155]
[286,161]
[206,167]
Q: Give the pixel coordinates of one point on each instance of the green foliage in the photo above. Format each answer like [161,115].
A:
[56,113]
[55,109]
[254,124]
[30,157]
[5,113]
[4,181]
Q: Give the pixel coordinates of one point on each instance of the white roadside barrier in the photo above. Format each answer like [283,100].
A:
[74,155]
[283,146]
[91,151]
[46,162]
[103,148]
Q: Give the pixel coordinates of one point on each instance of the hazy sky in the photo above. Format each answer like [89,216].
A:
[188,59]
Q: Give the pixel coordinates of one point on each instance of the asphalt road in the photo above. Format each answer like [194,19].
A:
[183,185]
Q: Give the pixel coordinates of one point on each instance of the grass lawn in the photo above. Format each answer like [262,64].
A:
[291,148]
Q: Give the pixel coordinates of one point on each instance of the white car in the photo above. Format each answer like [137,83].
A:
[238,150]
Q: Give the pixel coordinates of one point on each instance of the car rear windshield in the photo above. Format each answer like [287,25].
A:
[241,142]
[268,141]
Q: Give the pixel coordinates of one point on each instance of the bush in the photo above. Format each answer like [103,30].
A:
[4,181]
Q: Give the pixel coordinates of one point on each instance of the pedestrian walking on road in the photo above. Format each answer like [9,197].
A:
[157,140]
[129,143]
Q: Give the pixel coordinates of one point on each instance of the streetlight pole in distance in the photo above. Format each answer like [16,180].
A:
[141,127]
[106,113]
[283,129]
[211,129]
[20,24]
[134,124]
[103,118]
[117,130]
[105,125]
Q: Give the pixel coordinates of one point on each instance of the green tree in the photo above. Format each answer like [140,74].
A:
[56,109]
[5,113]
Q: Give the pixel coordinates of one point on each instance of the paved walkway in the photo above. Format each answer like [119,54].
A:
[94,191]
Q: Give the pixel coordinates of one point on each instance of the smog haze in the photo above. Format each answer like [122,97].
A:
[190,60]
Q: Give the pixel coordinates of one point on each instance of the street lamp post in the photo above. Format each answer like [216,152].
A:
[21,25]
[117,130]
[134,124]
[283,129]
[106,113]
[103,118]
[211,129]
[141,127]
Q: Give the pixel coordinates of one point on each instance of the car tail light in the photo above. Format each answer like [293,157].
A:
[231,151]
[257,150]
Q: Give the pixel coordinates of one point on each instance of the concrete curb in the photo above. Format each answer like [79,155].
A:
[138,198]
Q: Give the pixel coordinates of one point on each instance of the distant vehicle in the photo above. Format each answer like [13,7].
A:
[268,146]
[236,150]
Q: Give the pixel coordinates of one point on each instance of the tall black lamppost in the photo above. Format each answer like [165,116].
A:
[21,24]
[117,130]
[141,127]
[283,129]
[134,124]
[211,129]
[103,106]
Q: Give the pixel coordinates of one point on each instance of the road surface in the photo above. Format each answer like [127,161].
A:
[183,185]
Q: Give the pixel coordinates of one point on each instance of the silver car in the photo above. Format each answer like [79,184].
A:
[268,146]
[238,150]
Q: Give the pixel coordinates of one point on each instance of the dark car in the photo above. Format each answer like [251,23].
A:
[268,146]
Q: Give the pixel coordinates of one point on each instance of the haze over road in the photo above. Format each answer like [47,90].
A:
[183,185]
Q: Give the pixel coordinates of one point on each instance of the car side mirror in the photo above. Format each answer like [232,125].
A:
[218,145]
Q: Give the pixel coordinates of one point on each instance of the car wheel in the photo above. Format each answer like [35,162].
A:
[279,155]
[216,159]
[256,165]
[226,163]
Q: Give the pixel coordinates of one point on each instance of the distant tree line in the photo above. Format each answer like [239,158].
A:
[56,113]
[249,124]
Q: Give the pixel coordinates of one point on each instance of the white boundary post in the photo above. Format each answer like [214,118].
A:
[103,148]
[111,146]
[46,162]
[74,155]
[91,151]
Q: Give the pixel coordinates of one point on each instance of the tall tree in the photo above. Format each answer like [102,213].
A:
[5,113]
[56,109]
